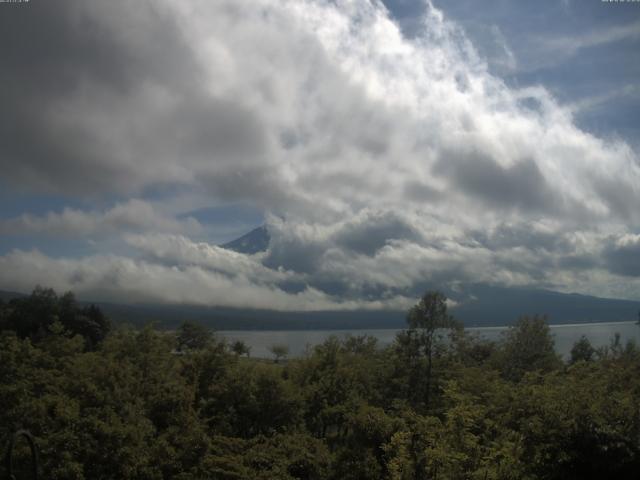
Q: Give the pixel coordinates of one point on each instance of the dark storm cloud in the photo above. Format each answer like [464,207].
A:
[520,186]
[49,48]
[420,192]
[50,52]
[521,235]
[43,156]
[578,262]
[622,256]
[621,199]
[215,129]
[79,83]
[295,254]
[374,232]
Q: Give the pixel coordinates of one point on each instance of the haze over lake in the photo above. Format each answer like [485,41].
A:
[599,334]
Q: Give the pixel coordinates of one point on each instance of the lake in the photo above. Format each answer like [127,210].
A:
[599,334]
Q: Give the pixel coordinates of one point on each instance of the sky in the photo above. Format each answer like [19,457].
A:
[387,146]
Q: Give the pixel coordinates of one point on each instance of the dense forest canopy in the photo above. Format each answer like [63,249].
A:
[123,403]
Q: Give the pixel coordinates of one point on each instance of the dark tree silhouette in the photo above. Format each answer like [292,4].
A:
[34,316]
[426,319]
[193,336]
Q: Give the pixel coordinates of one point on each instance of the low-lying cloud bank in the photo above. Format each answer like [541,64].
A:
[383,164]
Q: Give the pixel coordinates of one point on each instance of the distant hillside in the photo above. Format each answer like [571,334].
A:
[488,305]
[257,240]
[478,306]
[6,296]
[492,306]
[220,318]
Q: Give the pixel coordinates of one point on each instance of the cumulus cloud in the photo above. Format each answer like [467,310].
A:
[382,162]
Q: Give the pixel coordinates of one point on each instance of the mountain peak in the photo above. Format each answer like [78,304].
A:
[257,240]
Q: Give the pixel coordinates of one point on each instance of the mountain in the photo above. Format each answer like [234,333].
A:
[490,306]
[257,240]
[6,296]
[476,305]
[485,306]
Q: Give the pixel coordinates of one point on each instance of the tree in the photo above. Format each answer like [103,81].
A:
[240,348]
[4,313]
[582,351]
[193,336]
[87,321]
[34,316]
[528,346]
[426,321]
[279,351]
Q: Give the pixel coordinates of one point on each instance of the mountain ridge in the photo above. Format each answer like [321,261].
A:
[499,306]
[257,240]
[477,305]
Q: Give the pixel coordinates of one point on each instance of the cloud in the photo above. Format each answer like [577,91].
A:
[520,186]
[305,108]
[548,50]
[123,279]
[571,45]
[132,215]
[383,163]
[623,255]
[630,92]
[179,251]
[105,98]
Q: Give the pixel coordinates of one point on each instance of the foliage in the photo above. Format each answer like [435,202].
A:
[35,315]
[240,348]
[528,346]
[192,336]
[279,352]
[582,351]
[428,320]
[129,407]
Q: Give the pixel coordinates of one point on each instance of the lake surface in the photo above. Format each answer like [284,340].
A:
[599,334]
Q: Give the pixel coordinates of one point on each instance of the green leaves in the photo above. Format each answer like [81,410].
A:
[134,409]
[527,347]
[44,313]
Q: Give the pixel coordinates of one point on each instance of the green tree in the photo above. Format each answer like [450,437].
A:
[33,315]
[253,399]
[240,348]
[528,346]
[193,336]
[582,350]
[428,320]
[88,321]
[279,352]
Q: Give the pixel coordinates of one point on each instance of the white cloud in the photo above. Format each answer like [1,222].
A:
[132,215]
[376,158]
[544,51]
[631,92]
[571,45]
[181,252]
[121,279]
